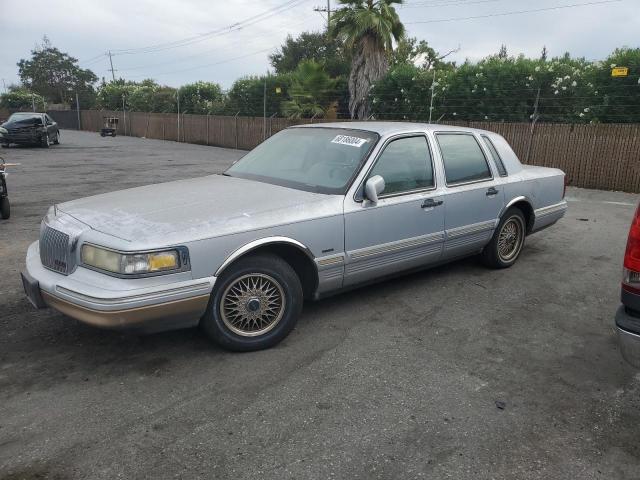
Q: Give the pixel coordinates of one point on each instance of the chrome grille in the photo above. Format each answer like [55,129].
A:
[55,251]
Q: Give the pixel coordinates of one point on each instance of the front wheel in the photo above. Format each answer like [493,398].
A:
[56,139]
[255,304]
[5,208]
[507,241]
[45,141]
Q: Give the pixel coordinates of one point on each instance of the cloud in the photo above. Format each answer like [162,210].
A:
[87,29]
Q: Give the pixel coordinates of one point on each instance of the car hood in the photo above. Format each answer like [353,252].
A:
[21,123]
[188,210]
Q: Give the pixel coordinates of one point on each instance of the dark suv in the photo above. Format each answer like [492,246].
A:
[27,128]
[628,315]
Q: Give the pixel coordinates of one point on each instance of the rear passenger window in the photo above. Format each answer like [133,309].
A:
[463,158]
[405,165]
[495,155]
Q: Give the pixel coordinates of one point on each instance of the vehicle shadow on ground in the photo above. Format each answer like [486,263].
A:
[129,343]
[71,352]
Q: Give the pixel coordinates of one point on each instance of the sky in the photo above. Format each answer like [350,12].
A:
[221,41]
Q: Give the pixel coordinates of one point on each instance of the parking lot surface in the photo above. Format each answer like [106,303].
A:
[456,372]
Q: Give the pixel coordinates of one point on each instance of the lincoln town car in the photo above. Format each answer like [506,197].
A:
[313,210]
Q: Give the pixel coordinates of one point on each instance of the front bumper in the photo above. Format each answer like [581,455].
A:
[22,138]
[628,328]
[147,304]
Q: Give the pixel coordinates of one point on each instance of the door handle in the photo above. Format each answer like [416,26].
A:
[492,191]
[430,202]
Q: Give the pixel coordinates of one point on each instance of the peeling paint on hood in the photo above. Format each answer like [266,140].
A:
[188,210]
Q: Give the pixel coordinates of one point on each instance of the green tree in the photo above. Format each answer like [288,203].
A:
[148,96]
[311,46]
[411,51]
[201,98]
[19,98]
[246,95]
[368,28]
[56,76]
[311,92]
[111,94]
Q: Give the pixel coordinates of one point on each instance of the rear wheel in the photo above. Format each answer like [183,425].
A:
[5,208]
[507,242]
[255,304]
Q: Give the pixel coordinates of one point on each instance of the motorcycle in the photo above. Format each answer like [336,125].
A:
[5,206]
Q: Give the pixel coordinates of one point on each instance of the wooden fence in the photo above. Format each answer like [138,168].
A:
[604,156]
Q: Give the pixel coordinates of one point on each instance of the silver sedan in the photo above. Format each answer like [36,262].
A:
[313,210]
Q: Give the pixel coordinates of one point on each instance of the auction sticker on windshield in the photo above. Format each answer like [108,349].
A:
[351,141]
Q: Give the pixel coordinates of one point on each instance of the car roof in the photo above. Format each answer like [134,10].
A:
[392,128]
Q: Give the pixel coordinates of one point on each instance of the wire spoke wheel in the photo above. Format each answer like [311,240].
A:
[252,305]
[510,239]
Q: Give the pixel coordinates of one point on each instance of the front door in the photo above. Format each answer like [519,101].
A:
[473,200]
[405,228]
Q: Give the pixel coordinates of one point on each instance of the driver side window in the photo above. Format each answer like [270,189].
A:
[405,165]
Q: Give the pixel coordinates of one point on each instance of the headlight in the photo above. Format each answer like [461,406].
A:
[142,263]
[3,131]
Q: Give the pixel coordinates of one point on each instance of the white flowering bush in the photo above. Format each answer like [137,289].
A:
[505,89]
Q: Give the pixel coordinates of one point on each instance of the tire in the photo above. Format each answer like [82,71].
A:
[56,140]
[113,134]
[275,281]
[44,141]
[4,145]
[5,208]
[513,228]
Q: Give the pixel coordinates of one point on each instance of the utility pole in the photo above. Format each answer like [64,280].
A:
[113,72]
[4,86]
[264,110]
[326,10]
[534,120]
[433,89]
[78,109]
[178,96]
[33,102]
[124,116]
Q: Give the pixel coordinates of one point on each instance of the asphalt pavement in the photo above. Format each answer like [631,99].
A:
[457,372]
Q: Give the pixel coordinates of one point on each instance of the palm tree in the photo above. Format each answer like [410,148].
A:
[369,28]
[310,91]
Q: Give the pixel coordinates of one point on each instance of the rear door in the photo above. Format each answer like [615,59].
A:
[405,228]
[473,200]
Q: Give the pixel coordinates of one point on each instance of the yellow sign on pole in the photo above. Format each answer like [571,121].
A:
[620,71]
[278,90]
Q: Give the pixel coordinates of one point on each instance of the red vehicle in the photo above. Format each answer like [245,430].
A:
[628,315]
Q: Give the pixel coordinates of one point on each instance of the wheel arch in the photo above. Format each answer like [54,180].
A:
[524,204]
[295,253]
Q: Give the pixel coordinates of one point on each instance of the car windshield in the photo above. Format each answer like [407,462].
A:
[25,117]
[314,159]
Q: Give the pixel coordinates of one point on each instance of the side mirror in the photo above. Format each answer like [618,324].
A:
[374,187]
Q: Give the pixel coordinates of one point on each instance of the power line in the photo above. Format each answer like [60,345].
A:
[326,10]
[447,4]
[210,64]
[220,31]
[517,12]
[288,28]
